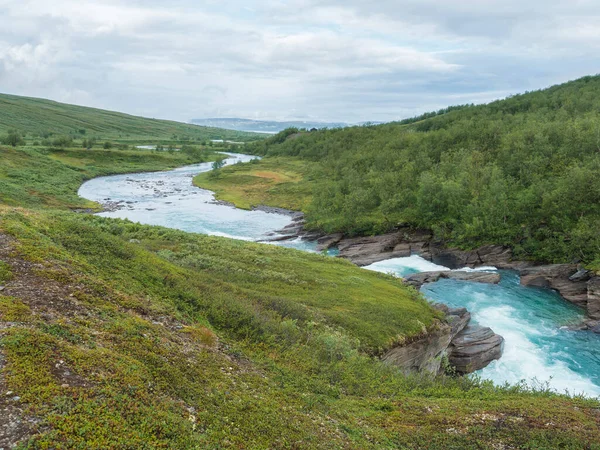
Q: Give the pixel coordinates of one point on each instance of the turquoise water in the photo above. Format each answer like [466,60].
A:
[538,349]
[170,199]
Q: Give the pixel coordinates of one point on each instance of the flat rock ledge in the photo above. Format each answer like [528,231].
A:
[419,279]
[467,348]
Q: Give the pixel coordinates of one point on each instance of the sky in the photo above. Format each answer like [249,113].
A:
[350,60]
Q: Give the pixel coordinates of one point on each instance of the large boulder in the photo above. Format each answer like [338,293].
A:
[366,250]
[328,241]
[474,348]
[425,355]
[495,255]
[488,255]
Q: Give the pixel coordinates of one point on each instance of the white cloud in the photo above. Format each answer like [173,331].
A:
[351,60]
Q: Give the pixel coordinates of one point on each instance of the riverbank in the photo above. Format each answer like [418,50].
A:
[573,282]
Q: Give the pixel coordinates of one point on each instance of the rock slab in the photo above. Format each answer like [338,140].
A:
[418,279]
[474,348]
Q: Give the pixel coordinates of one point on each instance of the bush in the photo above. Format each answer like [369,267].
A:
[62,141]
[13,138]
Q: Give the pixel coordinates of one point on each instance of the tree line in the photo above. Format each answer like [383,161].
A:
[523,171]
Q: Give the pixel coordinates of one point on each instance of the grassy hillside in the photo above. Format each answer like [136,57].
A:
[40,118]
[187,341]
[521,171]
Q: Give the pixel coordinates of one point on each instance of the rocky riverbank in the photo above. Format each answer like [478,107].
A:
[574,283]
[467,348]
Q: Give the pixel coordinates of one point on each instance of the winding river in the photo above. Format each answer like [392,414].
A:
[540,349]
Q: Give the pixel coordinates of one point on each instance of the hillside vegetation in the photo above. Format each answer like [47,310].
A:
[39,118]
[120,335]
[522,172]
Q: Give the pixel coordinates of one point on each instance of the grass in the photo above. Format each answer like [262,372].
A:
[43,118]
[121,335]
[280,182]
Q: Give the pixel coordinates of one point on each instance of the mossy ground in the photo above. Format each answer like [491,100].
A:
[190,341]
[280,182]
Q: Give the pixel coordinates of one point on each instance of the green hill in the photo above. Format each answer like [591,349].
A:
[41,118]
[522,171]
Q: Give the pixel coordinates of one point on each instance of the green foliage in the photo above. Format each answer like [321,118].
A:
[521,172]
[62,141]
[5,272]
[13,310]
[277,182]
[216,165]
[13,138]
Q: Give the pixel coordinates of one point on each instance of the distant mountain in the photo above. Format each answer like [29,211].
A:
[264,126]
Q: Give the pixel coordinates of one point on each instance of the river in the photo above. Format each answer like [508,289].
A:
[539,350]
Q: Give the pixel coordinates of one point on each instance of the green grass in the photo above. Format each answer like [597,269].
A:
[281,182]
[43,118]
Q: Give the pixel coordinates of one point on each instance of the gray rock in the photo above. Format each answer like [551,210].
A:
[581,275]
[326,242]
[593,298]
[425,354]
[363,251]
[556,276]
[452,258]
[474,348]
[421,278]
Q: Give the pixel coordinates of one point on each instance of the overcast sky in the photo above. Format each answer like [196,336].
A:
[350,60]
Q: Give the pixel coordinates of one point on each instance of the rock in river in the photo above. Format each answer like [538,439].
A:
[474,348]
[418,279]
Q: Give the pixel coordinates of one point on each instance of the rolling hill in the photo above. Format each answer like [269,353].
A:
[43,118]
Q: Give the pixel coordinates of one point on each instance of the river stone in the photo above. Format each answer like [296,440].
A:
[581,275]
[474,348]
[325,242]
[418,279]
[366,250]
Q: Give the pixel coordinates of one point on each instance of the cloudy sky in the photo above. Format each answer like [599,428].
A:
[350,60]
